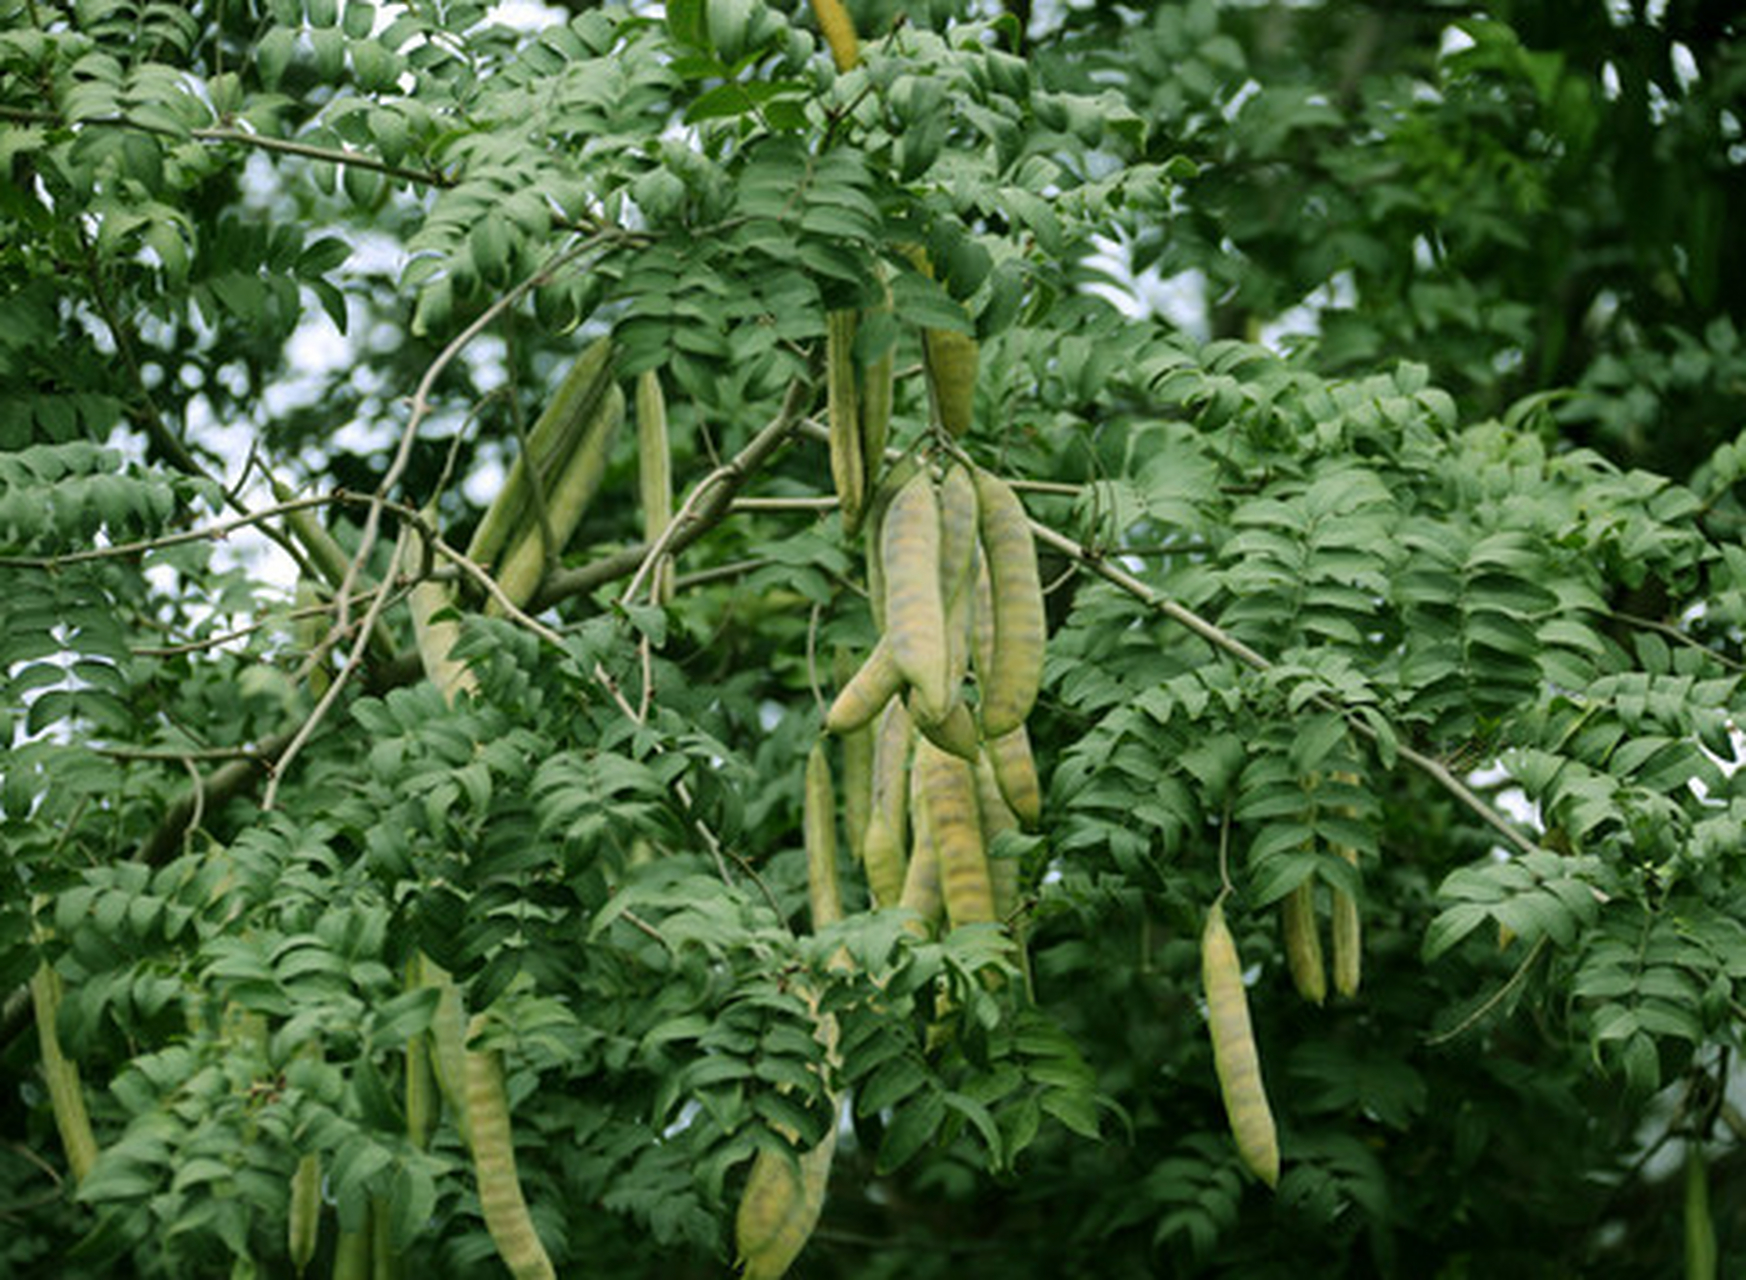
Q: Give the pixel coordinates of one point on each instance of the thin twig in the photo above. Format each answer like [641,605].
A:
[207,533]
[222,134]
[173,753]
[1491,1002]
[331,695]
[421,403]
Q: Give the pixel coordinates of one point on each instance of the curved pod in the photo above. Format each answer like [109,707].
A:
[1015,668]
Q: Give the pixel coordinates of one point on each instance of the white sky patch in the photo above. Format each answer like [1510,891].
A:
[1453,40]
[1305,319]
[1685,67]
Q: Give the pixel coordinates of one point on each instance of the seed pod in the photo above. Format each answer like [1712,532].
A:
[882,855]
[951,358]
[819,826]
[958,510]
[982,622]
[888,488]
[566,501]
[1700,1227]
[61,1075]
[385,1263]
[1003,872]
[435,638]
[839,32]
[552,440]
[921,881]
[891,746]
[304,1218]
[867,693]
[878,383]
[948,790]
[848,464]
[780,1206]
[958,558]
[351,1254]
[915,620]
[955,732]
[1303,943]
[1348,939]
[1015,670]
[1015,768]
[655,473]
[421,1087]
[500,1196]
[857,769]
[1234,1055]
[308,630]
[448,1039]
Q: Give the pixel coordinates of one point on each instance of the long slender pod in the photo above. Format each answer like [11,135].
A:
[303,1222]
[780,1206]
[948,790]
[915,621]
[1004,873]
[61,1075]
[1347,930]
[1234,1054]
[839,32]
[1347,938]
[819,830]
[848,464]
[553,438]
[422,1098]
[921,881]
[857,773]
[878,387]
[867,691]
[385,1262]
[891,750]
[351,1255]
[500,1195]
[448,1040]
[1015,769]
[958,558]
[433,634]
[566,501]
[1303,943]
[655,472]
[1020,627]
[1700,1226]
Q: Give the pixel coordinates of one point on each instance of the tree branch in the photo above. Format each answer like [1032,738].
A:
[1435,769]
[228,135]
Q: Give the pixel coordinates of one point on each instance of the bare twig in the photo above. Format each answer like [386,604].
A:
[1496,998]
[207,533]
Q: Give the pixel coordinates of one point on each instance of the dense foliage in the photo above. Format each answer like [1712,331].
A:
[1404,561]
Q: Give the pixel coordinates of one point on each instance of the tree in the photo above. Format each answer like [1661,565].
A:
[443,720]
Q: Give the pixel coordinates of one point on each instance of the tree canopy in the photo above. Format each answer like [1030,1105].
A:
[521,643]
